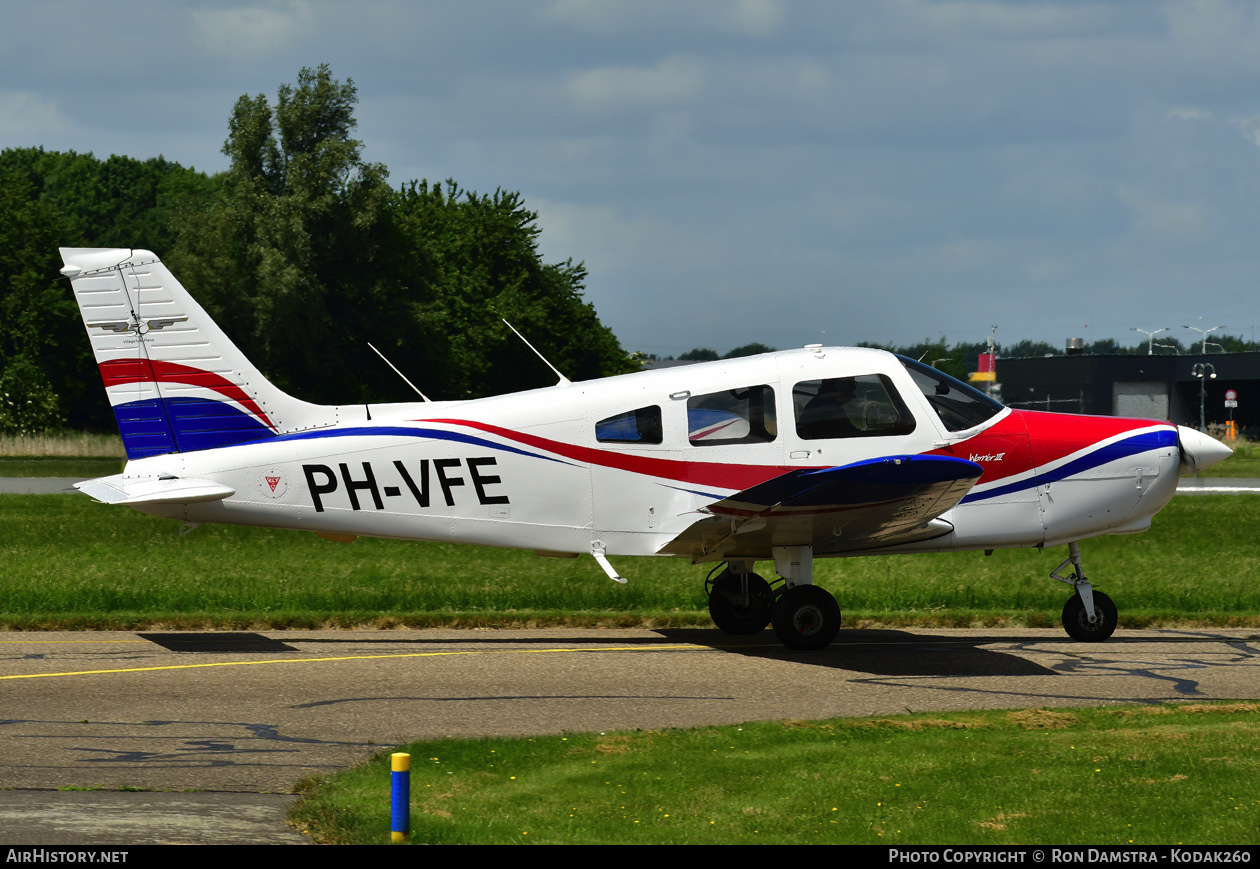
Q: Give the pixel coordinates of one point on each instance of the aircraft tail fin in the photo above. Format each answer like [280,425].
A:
[176,382]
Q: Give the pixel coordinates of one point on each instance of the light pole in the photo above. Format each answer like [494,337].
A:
[1150,338]
[1203,370]
[1204,333]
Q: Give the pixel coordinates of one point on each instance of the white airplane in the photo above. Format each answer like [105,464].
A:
[782,457]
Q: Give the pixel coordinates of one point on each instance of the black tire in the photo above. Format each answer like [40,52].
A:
[806,618]
[1077,624]
[735,614]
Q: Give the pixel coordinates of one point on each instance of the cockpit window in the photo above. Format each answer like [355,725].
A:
[958,405]
[639,426]
[734,416]
[850,407]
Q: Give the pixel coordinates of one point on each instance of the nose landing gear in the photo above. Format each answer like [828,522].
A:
[1088,616]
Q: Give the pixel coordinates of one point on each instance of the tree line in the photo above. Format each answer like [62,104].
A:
[962,358]
[303,252]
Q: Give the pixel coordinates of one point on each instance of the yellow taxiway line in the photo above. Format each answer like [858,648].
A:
[673,648]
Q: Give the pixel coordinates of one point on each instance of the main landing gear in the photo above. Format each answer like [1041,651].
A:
[1088,615]
[805,617]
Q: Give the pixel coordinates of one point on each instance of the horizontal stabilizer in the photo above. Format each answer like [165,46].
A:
[121,489]
[866,505]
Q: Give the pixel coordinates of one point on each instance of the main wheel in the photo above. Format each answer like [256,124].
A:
[736,613]
[1076,623]
[806,618]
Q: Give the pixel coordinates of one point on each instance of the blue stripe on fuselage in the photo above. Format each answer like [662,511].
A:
[1111,452]
[407,431]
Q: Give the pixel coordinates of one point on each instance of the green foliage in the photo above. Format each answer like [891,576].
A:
[284,256]
[699,354]
[50,200]
[748,350]
[303,253]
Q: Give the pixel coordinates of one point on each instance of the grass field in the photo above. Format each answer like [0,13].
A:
[1161,775]
[67,562]
[1176,774]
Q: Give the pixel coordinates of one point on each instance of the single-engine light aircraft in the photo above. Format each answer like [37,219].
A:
[784,457]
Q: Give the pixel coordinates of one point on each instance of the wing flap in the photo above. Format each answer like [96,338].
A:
[866,505]
[120,489]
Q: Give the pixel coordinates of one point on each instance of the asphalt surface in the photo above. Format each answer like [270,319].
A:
[246,714]
[240,718]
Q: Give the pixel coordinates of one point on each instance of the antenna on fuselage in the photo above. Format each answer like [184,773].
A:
[564,381]
[399,373]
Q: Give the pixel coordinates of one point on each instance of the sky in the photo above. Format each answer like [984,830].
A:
[734,171]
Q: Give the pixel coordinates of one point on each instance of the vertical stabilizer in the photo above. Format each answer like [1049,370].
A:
[175,380]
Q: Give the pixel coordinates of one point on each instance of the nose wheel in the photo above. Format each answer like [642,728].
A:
[1078,625]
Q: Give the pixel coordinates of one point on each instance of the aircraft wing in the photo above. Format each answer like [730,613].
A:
[865,505]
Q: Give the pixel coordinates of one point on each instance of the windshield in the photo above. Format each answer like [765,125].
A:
[958,405]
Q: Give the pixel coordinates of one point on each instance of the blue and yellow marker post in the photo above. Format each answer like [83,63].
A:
[400,801]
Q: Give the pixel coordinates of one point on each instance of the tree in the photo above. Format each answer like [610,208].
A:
[309,255]
[463,262]
[303,253]
[50,199]
[29,309]
[284,257]
[748,350]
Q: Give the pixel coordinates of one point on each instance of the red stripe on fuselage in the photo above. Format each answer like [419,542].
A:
[713,474]
[122,371]
[1028,440]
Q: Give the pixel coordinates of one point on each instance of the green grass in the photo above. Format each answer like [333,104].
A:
[57,466]
[1187,774]
[65,444]
[67,563]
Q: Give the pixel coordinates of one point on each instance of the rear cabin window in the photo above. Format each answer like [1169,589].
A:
[850,407]
[639,426]
[735,416]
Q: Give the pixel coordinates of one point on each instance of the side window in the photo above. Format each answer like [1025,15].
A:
[640,426]
[850,407]
[736,416]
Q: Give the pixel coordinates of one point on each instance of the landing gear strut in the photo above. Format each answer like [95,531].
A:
[1088,616]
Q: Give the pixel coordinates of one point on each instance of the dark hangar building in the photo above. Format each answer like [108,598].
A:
[1159,387]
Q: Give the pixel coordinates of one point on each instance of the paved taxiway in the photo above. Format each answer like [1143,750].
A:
[257,712]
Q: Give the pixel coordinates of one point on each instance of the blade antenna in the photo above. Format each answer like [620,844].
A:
[399,373]
[564,381]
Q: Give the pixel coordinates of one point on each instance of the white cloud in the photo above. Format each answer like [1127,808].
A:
[672,81]
[246,31]
[1186,113]
[757,17]
[1249,127]
[1164,220]
[26,116]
